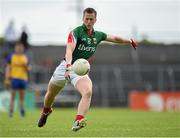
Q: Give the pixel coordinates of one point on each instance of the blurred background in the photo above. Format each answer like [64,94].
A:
[145,79]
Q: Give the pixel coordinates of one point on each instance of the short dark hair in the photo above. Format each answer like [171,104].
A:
[18,42]
[89,10]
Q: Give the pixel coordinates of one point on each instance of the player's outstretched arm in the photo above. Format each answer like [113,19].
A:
[120,40]
[69,50]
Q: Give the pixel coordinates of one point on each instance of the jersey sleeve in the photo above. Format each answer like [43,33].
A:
[103,36]
[73,36]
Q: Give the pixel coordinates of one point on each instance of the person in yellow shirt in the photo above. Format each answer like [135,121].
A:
[17,72]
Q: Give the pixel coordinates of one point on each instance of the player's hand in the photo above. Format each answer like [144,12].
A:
[66,74]
[133,44]
[7,83]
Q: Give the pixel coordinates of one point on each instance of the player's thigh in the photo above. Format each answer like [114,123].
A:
[57,81]
[84,85]
[13,94]
[54,89]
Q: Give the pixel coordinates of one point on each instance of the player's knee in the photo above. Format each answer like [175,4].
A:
[12,96]
[87,92]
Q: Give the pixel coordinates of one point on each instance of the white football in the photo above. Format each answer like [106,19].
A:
[81,67]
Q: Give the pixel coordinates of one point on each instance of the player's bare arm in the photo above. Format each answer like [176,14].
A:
[7,72]
[117,39]
[69,51]
[120,40]
[68,56]
[7,76]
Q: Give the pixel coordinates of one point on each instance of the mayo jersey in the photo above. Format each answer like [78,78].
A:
[18,66]
[86,44]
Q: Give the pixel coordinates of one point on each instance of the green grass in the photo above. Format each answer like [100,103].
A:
[102,122]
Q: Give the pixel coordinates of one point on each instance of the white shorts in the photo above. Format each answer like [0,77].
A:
[59,79]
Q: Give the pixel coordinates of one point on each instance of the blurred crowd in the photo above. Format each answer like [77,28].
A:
[11,36]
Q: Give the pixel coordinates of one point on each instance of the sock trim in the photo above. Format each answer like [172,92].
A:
[79,117]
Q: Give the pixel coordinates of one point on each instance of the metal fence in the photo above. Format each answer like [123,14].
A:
[117,72]
[112,84]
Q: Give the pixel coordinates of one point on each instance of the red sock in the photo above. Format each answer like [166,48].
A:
[46,109]
[79,117]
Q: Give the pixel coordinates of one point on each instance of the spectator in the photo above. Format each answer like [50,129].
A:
[10,37]
[24,37]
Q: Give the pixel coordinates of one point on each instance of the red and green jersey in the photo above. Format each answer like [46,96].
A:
[86,44]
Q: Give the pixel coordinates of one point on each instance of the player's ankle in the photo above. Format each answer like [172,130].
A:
[46,110]
[22,112]
[79,117]
[10,114]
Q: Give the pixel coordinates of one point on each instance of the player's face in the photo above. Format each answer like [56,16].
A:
[89,20]
[19,48]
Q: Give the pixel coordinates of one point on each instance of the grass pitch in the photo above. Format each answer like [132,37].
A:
[102,122]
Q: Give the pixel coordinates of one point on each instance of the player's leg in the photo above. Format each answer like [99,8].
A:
[56,84]
[21,102]
[11,105]
[22,88]
[52,91]
[84,86]
[14,86]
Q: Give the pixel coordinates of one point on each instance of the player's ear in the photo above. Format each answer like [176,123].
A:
[95,20]
[83,18]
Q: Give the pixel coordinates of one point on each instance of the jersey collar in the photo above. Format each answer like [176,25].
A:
[85,29]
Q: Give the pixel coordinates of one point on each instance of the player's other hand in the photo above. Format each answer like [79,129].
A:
[66,74]
[133,44]
[7,83]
